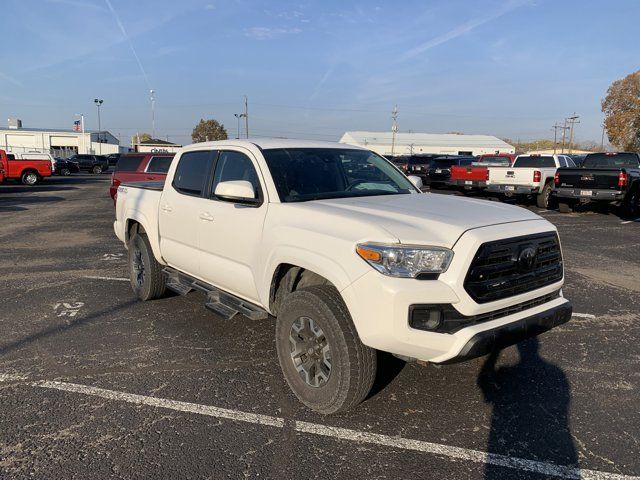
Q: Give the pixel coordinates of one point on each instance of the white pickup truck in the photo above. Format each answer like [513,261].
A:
[529,175]
[348,255]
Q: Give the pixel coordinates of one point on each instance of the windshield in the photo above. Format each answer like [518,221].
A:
[615,160]
[302,174]
[534,161]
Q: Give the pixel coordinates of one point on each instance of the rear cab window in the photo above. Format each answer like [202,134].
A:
[159,164]
[611,160]
[129,163]
[534,161]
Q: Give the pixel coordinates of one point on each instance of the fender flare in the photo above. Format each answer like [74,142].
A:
[139,217]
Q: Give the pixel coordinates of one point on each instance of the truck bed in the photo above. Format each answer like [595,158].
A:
[589,178]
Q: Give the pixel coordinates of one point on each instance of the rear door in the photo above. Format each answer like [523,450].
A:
[230,232]
[180,209]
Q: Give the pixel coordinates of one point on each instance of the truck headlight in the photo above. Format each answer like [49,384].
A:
[405,261]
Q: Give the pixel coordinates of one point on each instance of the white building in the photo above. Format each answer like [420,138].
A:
[58,142]
[155,145]
[416,143]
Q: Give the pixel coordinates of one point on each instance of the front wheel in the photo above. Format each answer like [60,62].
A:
[322,358]
[145,273]
[29,178]
[97,169]
[65,172]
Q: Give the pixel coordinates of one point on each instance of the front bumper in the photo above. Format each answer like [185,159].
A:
[497,338]
[589,194]
[379,305]
[512,189]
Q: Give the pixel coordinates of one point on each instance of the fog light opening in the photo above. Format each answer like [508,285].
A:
[426,319]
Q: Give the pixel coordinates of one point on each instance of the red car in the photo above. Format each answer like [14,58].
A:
[475,176]
[29,172]
[139,167]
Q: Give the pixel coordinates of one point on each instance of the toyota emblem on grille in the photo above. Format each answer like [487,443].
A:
[527,259]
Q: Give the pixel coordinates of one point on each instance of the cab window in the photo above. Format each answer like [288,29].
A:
[235,166]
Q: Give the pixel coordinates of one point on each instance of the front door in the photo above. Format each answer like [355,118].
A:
[230,233]
[179,211]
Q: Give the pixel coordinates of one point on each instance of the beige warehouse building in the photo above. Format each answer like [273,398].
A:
[416,143]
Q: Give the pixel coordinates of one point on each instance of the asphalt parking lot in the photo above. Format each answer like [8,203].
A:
[94,384]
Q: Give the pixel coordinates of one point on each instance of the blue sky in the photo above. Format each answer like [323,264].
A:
[509,68]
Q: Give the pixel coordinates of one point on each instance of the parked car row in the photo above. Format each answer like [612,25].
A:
[565,180]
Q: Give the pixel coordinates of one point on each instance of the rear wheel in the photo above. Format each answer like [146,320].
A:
[147,280]
[543,198]
[65,172]
[322,358]
[565,207]
[30,178]
[631,204]
[97,169]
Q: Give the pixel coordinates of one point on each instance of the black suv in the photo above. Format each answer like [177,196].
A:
[91,163]
[415,164]
[440,169]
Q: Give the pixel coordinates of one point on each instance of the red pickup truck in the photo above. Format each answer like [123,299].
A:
[139,167]
[28,171]
[475,176]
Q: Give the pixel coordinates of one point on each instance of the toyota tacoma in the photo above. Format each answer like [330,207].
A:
[348,255]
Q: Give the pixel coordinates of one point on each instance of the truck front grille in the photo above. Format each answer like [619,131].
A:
[509,267]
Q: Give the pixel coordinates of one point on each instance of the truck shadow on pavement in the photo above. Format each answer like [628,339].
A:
[530,411]
[17,204]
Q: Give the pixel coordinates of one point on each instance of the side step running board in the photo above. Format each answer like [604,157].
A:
[222,303]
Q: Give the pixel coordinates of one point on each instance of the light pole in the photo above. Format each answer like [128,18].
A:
[246,115]
[84,146]
[238,117]
[98,102]
[153,113]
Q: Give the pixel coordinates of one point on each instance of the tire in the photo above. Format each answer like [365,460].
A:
[543,198]
[631,204]
[145,273]
[565,207]
[30,178]
[319,319]
[65,172]
[97,169]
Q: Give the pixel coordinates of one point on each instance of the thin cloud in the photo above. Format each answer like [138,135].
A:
[462,29]
[10,79]
[265,33]
[126,36]
[321,83]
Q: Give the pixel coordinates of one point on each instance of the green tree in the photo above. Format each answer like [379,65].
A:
[143,137]
[208,131]
[621,108]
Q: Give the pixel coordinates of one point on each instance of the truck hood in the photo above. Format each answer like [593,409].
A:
[421,218]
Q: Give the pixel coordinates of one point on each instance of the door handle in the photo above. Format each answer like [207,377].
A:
[207,217]
[166,208]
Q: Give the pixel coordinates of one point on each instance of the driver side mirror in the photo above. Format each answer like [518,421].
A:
[238,191]
[417,181]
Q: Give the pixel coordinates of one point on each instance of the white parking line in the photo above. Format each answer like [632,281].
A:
[115,279]
[458,453]
[583,315]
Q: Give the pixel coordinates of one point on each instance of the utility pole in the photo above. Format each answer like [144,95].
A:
[572,121]
[555,136]
[564,130]
[246,115]
[98,102]
[394,128]
[153,113]
[602,140]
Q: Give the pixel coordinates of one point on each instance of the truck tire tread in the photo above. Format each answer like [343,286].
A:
[155,281]
[354,382]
